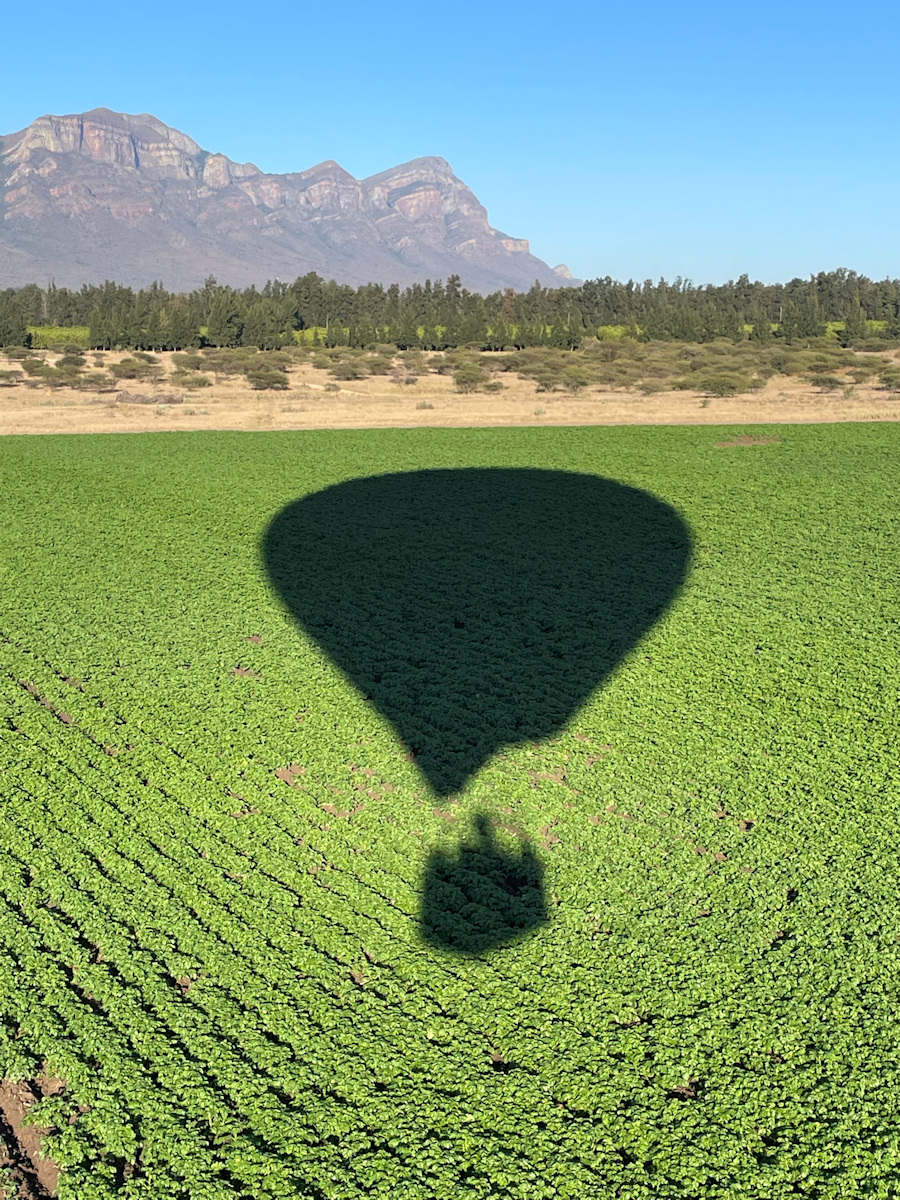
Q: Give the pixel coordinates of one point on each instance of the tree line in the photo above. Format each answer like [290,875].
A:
[440,315]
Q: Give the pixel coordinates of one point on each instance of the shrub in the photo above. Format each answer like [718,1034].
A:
[95,381]
[188,361]
[575,379]
[722,385]
[227,362]
[612,376]
[469,377]
[890,379]
[863,372]
[402,376]
[267,379]
[346,370]
[10,378]
[52,377]
[546,382]
[424,404]
[132,368]
[190,380]
[825,383]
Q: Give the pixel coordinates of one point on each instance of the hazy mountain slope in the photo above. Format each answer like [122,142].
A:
[106,195]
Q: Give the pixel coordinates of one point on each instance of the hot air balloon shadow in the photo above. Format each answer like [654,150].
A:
[476,607]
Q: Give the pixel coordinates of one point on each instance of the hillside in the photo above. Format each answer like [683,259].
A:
[106,195]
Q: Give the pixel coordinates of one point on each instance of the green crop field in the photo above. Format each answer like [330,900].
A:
[437,814]
[45,336]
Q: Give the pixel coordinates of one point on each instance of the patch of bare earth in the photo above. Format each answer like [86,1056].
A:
[378,402]
[23,1172]
[748,439]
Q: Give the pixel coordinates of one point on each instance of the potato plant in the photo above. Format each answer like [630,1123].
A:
[215,849]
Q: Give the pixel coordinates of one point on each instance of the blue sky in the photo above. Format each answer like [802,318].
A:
[634,140]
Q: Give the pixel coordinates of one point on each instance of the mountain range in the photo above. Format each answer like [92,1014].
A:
[106,195]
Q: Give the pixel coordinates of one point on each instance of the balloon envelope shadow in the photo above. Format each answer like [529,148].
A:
[476,607]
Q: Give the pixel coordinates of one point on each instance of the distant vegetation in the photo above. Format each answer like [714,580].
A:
[48,337]
[718,368]
[846,307]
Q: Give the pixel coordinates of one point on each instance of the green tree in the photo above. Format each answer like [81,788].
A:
[335,334]
[762,326]
[264,325]
[181,331]
[855,328]
[99,327]
[809,317]
[13,331]
[226,321]
[789,324]
[499,336]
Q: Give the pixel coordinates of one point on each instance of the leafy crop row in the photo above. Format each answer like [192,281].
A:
[214,849]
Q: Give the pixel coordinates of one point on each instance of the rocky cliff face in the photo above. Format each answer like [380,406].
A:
[105,195]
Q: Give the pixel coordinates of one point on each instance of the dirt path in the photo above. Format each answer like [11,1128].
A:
[24,1171]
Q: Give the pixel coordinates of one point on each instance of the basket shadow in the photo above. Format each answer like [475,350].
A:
[481,896]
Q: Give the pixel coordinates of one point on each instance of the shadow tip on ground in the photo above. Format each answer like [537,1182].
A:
[481,896]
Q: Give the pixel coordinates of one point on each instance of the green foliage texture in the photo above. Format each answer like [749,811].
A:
[43,337]
[435,315]
[211,846]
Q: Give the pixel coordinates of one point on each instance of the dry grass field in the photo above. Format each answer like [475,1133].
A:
[314,400]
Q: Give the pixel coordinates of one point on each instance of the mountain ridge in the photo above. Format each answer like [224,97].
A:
[105,195]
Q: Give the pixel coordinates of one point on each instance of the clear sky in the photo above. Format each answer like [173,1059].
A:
[635,140]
